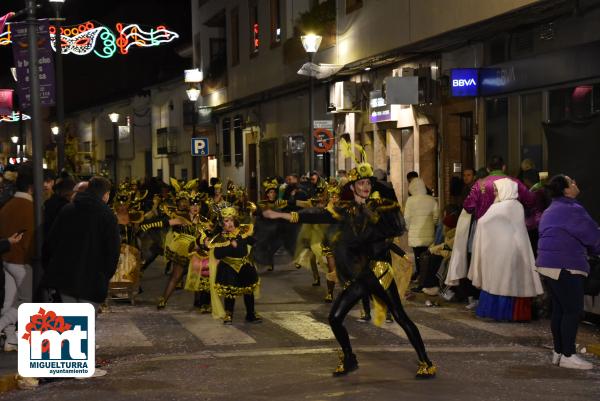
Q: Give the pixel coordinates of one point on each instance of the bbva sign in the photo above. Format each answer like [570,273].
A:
[464,82]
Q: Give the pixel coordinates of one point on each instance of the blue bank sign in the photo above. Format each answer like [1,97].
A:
[200,146]
[464,82]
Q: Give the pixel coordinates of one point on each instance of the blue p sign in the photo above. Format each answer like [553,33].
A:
[200,146]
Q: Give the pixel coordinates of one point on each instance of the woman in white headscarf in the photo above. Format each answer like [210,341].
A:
[503,265]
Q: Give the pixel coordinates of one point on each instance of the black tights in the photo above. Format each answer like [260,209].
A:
[367,284]
[248,302]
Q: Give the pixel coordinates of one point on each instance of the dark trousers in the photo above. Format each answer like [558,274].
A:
[367,284]
[418,250]
[567,307]
[248,302]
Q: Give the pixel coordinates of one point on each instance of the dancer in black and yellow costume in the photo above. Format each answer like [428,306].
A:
[268,232]
[365,226]
[126,205]
[198,273]
[181,236]
[234,273]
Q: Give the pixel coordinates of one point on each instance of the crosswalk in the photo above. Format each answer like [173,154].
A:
[129,328]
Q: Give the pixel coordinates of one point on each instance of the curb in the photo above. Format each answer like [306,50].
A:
[8,382]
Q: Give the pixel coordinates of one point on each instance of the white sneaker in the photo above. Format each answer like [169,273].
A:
[447,295]
[555,358]
[8,347]
[473,304]
[574,362]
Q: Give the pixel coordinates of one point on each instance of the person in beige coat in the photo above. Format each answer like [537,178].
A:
[421,214]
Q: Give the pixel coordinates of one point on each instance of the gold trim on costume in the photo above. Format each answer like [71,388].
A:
[384,273]
[294,217]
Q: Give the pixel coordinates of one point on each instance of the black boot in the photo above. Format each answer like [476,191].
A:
[251,316]
[229,305]
[348,363]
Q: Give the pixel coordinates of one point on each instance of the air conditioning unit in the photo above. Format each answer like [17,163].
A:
[166,141]
[343,97]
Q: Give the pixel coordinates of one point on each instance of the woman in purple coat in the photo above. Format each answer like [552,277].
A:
[567,235]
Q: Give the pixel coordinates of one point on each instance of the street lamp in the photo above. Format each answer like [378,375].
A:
[194,77]
[311,43]
[114,119]
[60,100]
[55,129]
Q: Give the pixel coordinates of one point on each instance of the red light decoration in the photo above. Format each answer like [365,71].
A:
[255,33]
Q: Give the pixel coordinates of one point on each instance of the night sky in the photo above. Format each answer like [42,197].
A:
[90,80]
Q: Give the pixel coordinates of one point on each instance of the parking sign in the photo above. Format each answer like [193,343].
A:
[200,146]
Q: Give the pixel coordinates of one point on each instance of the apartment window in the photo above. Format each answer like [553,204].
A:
[353,5]
[226,126]
[239,140]
[254,28]
[235,36]
[275,22]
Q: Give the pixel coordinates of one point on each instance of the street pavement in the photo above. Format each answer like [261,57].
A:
[179,354]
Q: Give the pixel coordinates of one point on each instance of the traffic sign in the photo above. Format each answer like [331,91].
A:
[322,140]
[200,146]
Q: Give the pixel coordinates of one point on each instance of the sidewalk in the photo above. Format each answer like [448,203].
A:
[588,335]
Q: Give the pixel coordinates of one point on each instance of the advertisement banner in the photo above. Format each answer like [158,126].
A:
[45,63]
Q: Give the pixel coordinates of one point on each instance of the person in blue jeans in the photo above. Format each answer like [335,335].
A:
[567,235]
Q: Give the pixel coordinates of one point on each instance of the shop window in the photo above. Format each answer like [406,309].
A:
[235,36]
[532,133]
[573,103]
[353,5]
[496,138]
[226,130]
[238,136]
[275,22]
[254,28]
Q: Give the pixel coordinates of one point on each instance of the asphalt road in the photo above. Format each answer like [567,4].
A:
[179,354]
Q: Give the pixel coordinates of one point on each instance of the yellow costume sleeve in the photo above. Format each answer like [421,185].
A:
[218,311]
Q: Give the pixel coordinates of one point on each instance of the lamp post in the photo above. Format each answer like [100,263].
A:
[311,43]
[114,119]
[60,100]
[194,77]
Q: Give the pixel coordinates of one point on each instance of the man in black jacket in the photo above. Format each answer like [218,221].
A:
[83,246]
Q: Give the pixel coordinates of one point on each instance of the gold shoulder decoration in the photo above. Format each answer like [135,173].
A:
[246,230]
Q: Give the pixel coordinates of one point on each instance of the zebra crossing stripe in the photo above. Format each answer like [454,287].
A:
[502,329]
[129,335]
[427,333]
[302,324]
[212,332]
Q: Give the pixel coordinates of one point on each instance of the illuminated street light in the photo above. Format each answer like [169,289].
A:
[193,94]
[14,139]
[114,117]
[311,42]
[55,129]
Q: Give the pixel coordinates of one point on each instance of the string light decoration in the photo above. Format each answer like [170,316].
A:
[89,37]
[13,118]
